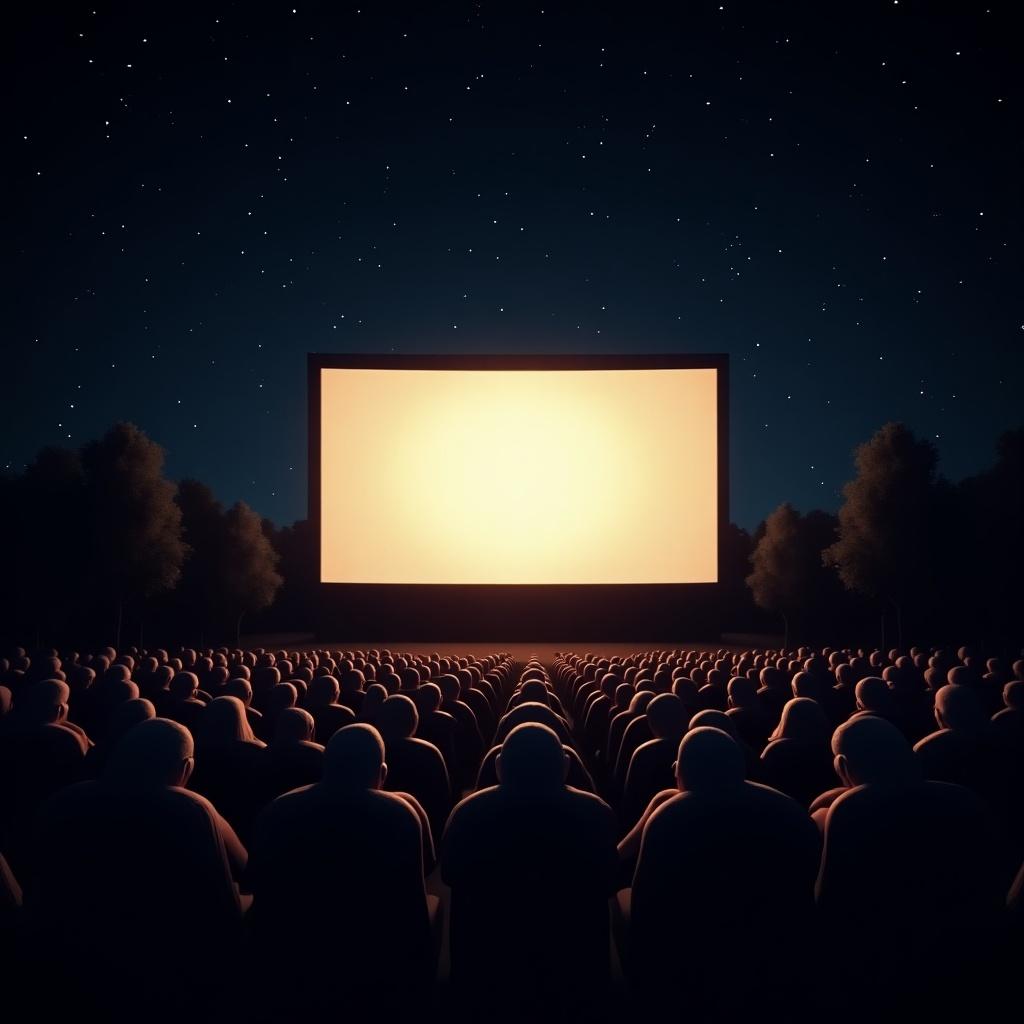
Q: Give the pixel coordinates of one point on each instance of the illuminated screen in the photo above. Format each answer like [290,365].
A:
[441,476]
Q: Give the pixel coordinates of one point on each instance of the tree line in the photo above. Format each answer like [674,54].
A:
[100,543]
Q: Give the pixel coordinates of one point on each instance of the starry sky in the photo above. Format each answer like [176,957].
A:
[200,194]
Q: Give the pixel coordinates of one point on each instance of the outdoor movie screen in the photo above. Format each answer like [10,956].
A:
[455,475]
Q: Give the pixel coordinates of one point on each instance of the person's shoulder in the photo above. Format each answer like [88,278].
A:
[934,741]
[476,803]
[588,803]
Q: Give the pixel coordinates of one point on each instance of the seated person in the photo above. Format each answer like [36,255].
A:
[698,885]
[340,863]
[292,759]
[531,865]
[134,861]
[907,864]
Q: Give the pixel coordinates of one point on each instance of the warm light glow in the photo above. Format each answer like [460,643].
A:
[510,476]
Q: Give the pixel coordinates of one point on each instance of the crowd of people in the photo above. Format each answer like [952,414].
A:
[369,834]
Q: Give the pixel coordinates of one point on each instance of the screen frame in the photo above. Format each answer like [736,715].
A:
[403,597]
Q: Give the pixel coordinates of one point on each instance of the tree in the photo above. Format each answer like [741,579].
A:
[135,526]
[248,564]
[887,521]
[197,598]
[788,576]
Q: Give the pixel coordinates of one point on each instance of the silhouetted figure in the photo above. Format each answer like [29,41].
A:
[651,768]
[747,712]
[134,870]
[230,763]
[434,725]
[700,886]
[469,742]
[322,703]
[960,751]
[531,864]
[907,866]
[338,866]
[292,759]
[798,759]
[414,766]
[40,753]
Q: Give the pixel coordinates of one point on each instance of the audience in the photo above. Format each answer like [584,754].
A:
[806,834]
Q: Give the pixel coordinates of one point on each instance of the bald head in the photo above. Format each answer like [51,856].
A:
[532,757]
[709,760]
[355,758]
[153,754]
[872,751]
[958,708]
[45,700]
[293,725]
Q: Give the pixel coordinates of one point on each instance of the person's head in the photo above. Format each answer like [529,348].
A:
[152,755]
[708,761]
[742,692]
[281,696]
[802,720]
[958,708]
[667,717]
[623,695]
[873,694]
[45,701]
[355,758]
[352,681]
[376,694]
[323,691]
[534,692]
[293,725]
[240,688]
[427,698]
[223,723]
[871,751]
[711,718]
[1013,694]
[184,686]
[127,715]
[397,718]
[450,687]
[532,758]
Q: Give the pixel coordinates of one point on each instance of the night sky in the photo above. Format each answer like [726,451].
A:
[199,195]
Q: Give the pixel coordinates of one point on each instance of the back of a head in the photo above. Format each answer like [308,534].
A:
[535,691]
[223,723]
[352,681]
[355,758]
[532,758]
[1013,694]
[667,717]
[802,720]
[742,692]
[151,755]
[709,760]
[43,700]
[874,752]
[449,685]
[129,714]
[960,709]
[323,690]
[293,725]
[397,717]
[711,718]
[873,694]
[183,685]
